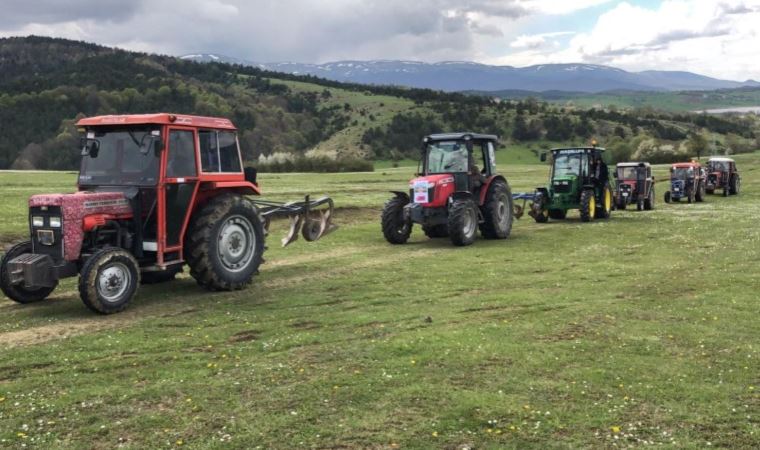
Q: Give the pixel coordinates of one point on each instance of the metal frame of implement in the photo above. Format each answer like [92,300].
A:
[312,218]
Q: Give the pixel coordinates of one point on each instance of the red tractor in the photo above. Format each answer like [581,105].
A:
[452,196]
[635,185]
[155,192]
[722,174]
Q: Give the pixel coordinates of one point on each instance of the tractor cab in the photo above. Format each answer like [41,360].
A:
[634,185]
[687,180]
[722,174]
[456,190]
[578,179]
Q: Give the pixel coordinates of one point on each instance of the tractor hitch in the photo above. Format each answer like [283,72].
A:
[312,218]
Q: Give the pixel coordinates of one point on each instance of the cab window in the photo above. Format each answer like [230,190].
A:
[219,151]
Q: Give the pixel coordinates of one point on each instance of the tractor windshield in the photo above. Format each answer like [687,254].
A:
[682,173]
[446,157]
[119,160]
[627,173]
[567,164]
[717,166]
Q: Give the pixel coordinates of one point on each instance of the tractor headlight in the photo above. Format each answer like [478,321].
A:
[38,221]
[55,222]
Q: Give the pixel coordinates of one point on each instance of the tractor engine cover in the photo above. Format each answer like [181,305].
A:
[75,207]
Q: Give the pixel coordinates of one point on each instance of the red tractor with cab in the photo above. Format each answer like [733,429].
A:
[722,174]
[635,185]
[457,191]
[155,192]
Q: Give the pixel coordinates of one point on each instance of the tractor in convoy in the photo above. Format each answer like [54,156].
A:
[578,180]
[687,180]
[722,174]
[457,191]
[155,192]
[635,185]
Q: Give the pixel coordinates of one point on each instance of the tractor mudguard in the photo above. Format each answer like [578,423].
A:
[461,195]
[400,194]
[486,186]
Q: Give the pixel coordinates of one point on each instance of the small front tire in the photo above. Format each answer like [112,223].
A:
[588,205]
[396,228]
[109,280]
[463,222]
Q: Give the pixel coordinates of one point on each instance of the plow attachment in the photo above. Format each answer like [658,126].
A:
[313,219]
[519,210]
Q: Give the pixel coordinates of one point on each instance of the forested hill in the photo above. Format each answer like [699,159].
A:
[46,84]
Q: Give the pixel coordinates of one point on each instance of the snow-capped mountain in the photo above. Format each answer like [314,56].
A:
[469,76]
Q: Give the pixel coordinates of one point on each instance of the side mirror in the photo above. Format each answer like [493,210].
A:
[542,157]
[90,147]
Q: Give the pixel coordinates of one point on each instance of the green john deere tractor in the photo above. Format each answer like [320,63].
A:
[579,180]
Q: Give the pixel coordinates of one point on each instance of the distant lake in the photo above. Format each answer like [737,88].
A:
[738,109]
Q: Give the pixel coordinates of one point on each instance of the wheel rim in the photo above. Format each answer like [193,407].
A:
[113,281]
[591,206]
[236,243]
[468,225]
[501,211]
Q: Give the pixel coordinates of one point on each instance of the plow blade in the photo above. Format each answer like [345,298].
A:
[519,210]
[312,219]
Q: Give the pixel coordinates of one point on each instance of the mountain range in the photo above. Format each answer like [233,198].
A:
[470,76]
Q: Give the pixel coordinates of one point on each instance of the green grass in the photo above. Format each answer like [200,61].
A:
[670,101]
[641,329]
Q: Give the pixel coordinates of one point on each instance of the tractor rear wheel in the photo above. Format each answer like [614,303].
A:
[649,201]
[700,194]
[667,197]
[396,228]
[224,246]
[604,209]
[557,214]
[497,211]
[435,231]
[734,185]
[588,205]
[109,280]
[17,292]
[463,222]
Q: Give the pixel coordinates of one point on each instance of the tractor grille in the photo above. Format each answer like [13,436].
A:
[47,240]
[562,188]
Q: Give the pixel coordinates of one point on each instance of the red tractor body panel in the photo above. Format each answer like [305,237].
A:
[159,119]
[484,189]
[78,206]
[432,191]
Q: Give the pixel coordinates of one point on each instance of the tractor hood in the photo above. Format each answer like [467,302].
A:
[73,208]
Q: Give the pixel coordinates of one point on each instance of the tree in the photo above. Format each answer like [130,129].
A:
[698,144]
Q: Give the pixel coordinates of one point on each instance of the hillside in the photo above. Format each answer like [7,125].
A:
[46,84]
[464,75]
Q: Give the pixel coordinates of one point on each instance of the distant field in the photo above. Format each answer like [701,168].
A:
[640,330]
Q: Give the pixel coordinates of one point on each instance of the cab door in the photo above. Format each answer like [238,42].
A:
[180,183]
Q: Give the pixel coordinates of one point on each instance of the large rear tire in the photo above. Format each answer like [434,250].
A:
[649,201]
[18,293]
[700,194]
[667,197]
[224,246]
[604,209]
[497,211]
[395,228]
[734,185]
[436,231]
[463,222]
[588,205]
[108,280]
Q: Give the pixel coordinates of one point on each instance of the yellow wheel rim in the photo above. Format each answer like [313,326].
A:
[607,200]
[592,207]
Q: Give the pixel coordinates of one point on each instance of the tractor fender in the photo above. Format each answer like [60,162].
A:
[487,185]
[460,195]
[402,195]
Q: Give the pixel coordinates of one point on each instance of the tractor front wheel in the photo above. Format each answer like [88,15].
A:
[396,228]
[225,244]
[109,280]
[463,222]
[497,212]
[588,205]
[17,292]
[667,197]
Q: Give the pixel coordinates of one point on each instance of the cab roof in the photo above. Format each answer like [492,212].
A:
[159,119]
[687,164]
[559,149]
[633,164]
[721,160]
[458,136]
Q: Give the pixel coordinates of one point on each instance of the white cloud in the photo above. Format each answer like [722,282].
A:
[560,7]
[536,41]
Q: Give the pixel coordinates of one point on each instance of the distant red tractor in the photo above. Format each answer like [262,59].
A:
[635,185]
[722,174]
[155,192]
[453,197]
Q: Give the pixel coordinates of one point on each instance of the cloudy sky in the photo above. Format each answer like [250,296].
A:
[719,38]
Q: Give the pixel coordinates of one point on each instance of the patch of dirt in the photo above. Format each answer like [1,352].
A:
[245,336]
[306,325]
[337,253]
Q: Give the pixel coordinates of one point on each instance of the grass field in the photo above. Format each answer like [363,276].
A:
[641,330]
